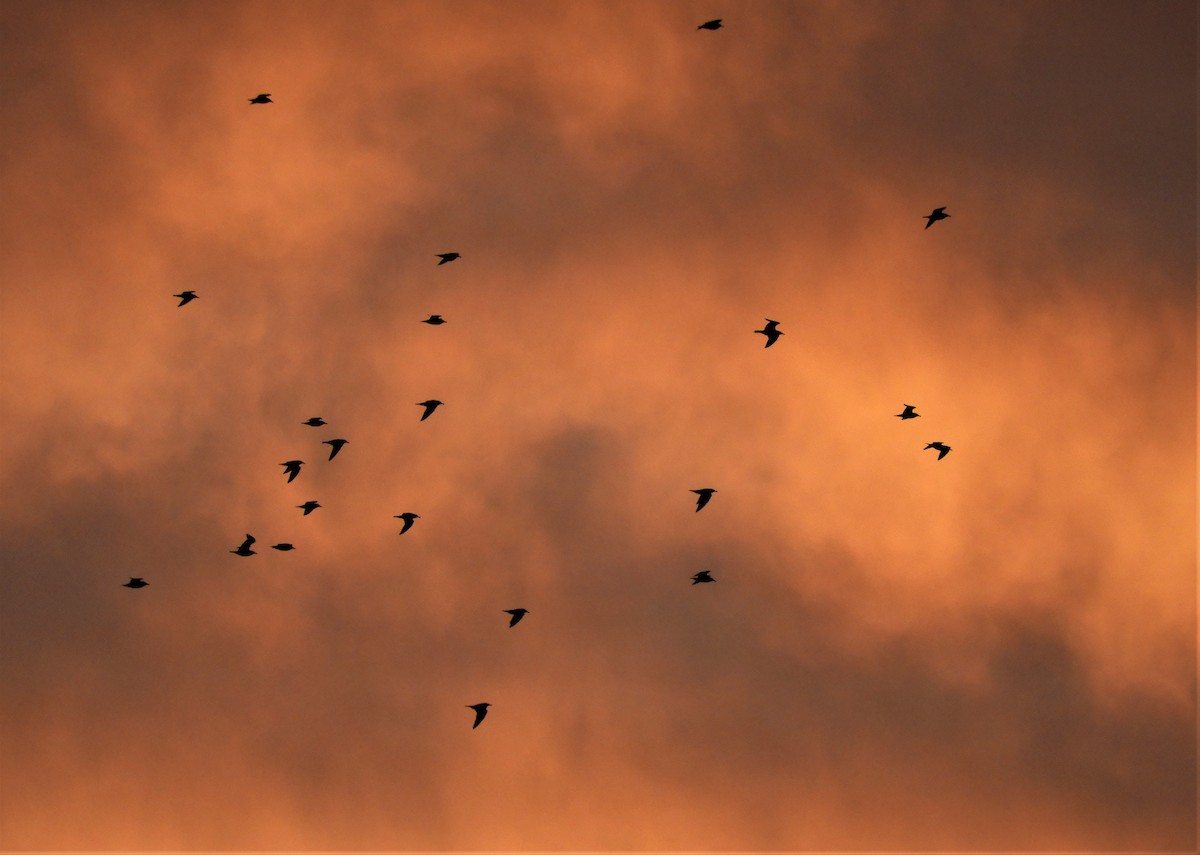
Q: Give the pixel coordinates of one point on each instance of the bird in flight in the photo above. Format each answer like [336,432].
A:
[714,24]
[480,712]
[434,320]
[702,576]
[447,257]
[942,449]
[135,582]
[315,421]
[910,412]
[291,468]
[309,506]
[408,518]
[771,331]
[283,547]
[264,98]
[517,614]
[337,446]
[186,297]
[429,406]
[704,495]
[245,549]
[938,214]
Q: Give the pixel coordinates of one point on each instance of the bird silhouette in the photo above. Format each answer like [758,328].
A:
[480,712]
[942,449]
[447,257]
[938,214]
[186,297]
[714,24]
[309,506]
[408,518]
[517,614]
[429,406]
[910,412]
[434,320]
[702,576]
[704,494]
[291,468]
[315,421]
[135,582]
[264,98]
[771,331]
[245,549]
[283,547]
[337,446]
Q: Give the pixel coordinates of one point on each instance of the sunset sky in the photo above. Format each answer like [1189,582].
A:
[994,651]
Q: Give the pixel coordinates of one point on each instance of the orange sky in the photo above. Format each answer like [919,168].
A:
[996,651]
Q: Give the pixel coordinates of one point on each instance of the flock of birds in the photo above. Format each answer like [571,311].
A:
[291,468]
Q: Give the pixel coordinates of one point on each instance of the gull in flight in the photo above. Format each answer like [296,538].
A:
[447,257]
[408,518]
[186,297]
[702,576]
[771,331]
[245,549]
[938,214]
[910,412]
[517,614]
[291,468]
[264,98]
[714,24]
[942,449]
[337,446]
[429,406]
[309,506]
[480,712]
[704,495]
[434,320]
[135,582]
[315,421]
[283,547]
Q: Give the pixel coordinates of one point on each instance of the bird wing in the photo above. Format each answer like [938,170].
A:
[943,451]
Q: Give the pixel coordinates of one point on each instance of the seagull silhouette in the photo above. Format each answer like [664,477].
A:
[309,506]
[283,547]
[714,24]
[186,297]
[408,518]
[771,331]
[910,412]
[135,582]
[480,712]
[517,614]
[435,320]
[938,214]
[264,98]
[702,576]
[315,421]
[245,549]
[337,446]
[291,468]
[447,257]
[429,406]
[942,449]
[704,495]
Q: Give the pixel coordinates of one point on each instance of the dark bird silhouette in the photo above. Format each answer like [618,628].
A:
[245,549]
[337,446]
[291,468]
[435,320]
[942,449]
[938,214]
[135,582]
[704,495]
[264,98]
[315,421]
[771,331]
[186,297]
[447,257]
[714,24]
[517,614]
[702,576]
[910,412]
[480,712]
[429,406]
[408,518]
[309,506]
[283,547]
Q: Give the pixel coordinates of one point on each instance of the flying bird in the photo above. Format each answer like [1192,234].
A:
[135,582]
[337,446]
[447,257]
[702,576]
[517,614]
[771,331]
[186,297]
[408,518]
[264,98]
[315,421]
[429,406]
[291,468]
[910,412]
[938,214]
[480,712]
[942,449]
[245,549]
[714,24]
[283,547]
[434,320]
[309,506]
[704,495]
